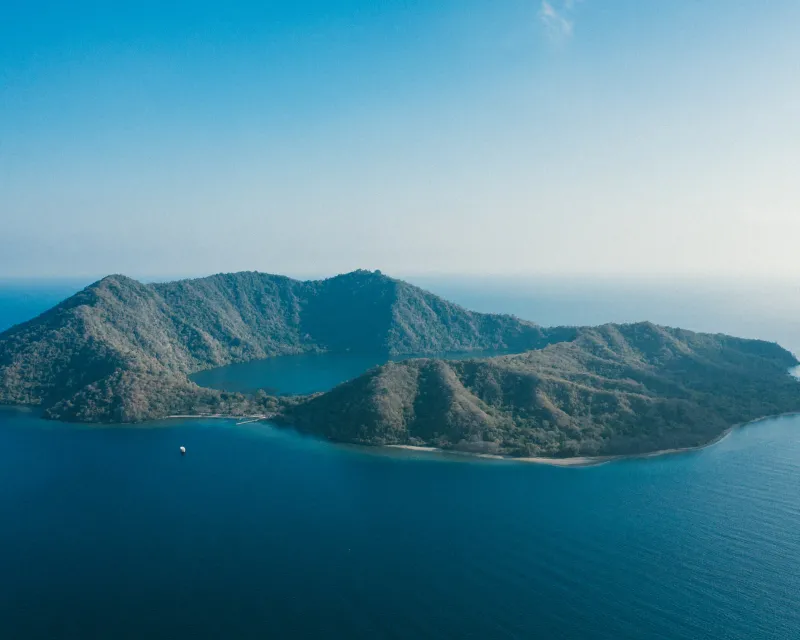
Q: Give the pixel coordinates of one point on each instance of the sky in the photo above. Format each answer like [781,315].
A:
[492,137]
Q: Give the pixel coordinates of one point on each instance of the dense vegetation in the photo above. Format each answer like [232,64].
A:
[612,390]
[121,351]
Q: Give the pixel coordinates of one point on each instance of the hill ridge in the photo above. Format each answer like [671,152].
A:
[121,351]
[564,400]
[118,325]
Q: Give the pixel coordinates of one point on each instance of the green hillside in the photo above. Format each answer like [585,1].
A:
[613,390]
[121,351]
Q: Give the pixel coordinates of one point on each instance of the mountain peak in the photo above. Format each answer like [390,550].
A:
[363,274]
[121,351]
[116,283]
[168,330]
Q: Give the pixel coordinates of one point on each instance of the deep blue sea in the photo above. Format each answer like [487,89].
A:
[107,532]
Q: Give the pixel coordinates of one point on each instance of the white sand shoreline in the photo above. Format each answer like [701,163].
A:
[222,416]
[589,461]
[575,462]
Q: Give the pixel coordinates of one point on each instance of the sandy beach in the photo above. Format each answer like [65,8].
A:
[556,462]
[589,461]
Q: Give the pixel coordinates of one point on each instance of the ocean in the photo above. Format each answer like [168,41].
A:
[258,532]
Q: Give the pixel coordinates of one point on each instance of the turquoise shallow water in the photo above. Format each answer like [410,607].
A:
[107,532]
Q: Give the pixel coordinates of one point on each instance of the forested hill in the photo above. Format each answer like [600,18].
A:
[121,350]
[615,389]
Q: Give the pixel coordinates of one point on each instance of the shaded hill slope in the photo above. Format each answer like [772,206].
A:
[613,390]
[121,350]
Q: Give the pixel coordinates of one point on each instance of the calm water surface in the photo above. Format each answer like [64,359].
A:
[302,374]
[259,532]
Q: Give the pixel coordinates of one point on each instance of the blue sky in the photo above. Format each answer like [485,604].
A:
[450,136]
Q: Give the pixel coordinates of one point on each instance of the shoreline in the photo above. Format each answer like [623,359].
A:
[589,461]
[574,462]
[221,416]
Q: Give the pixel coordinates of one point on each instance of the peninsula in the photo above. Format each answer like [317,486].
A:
[121,351]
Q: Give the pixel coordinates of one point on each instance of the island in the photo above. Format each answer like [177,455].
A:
[121,351]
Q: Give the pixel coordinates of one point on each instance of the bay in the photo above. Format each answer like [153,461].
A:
[305,373]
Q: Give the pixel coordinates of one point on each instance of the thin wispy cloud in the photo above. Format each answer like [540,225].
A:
[557,17]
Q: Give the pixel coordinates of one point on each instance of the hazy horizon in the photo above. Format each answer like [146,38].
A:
[459,137]
[622,279]
[755,308]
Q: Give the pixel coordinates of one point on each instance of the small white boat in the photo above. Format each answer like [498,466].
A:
[183,451]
